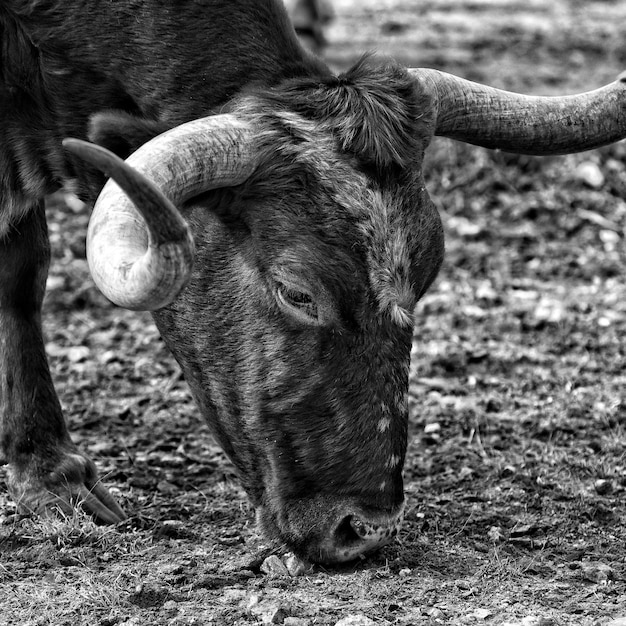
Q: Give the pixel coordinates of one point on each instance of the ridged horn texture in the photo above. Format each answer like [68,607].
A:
[493,118]
[139,247]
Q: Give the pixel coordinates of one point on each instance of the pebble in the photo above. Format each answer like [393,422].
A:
[597,572]
[253,602]
[233,596]
[355,620]
[589,173]
[269,612]
[295,566]
[170,605]
[273,566]
[274,615]
[75,354]
[289,565]
[432,428]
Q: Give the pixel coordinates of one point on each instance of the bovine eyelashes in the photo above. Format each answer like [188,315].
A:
[299,303]
[303,301]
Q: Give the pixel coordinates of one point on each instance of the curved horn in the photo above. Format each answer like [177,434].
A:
[498,119]
[139,247]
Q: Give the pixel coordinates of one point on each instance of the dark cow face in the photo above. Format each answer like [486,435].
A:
[295,330]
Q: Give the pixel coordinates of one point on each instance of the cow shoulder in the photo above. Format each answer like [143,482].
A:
[25,149]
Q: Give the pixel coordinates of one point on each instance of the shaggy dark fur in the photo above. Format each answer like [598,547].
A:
[312,413]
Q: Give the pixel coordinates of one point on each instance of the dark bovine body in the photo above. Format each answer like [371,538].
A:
[63,61]
[312,417]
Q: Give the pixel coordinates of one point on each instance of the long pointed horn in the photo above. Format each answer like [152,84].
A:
[139,247]
[494,118]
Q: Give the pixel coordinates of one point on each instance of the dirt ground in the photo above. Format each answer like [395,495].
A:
[516,471]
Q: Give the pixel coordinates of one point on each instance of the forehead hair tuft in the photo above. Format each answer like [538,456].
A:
[378,114]
[374,110]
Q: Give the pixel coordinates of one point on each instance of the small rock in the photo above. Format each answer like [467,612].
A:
[603,486]
[522,530]
[74,203]
[482,614]
[296,621]
[269,612]
[463,226]
[274,615]
[404,572]
[589,173]
[253,602]
[295,566]
[355,620]
[170,605]
[233,596]
[609,238]
[273,566]
[108,356]
[55,282]
[537,621]
[432,428]
[597,572]
[75,354]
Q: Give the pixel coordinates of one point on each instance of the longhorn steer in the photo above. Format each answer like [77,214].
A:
[279,231]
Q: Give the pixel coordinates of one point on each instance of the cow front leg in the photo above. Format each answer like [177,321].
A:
[46,470]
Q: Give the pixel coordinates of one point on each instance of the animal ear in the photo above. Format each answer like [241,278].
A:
[121,132]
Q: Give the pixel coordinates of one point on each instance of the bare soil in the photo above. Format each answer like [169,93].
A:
[516,471]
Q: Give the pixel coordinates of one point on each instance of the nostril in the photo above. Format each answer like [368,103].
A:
[358,534]
[358,526]
[346,532]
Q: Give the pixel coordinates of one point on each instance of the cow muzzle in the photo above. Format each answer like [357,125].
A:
[359,533]
[324,532]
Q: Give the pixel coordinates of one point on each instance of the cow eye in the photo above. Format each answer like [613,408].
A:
[300,303]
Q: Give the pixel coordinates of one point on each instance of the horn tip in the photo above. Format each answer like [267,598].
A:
[78,147]
[71,142]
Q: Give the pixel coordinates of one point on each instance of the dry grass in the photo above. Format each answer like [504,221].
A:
[516,472]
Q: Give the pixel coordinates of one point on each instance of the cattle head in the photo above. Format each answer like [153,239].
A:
[282,247]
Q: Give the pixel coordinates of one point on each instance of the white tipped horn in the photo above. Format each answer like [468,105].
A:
[139,247]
